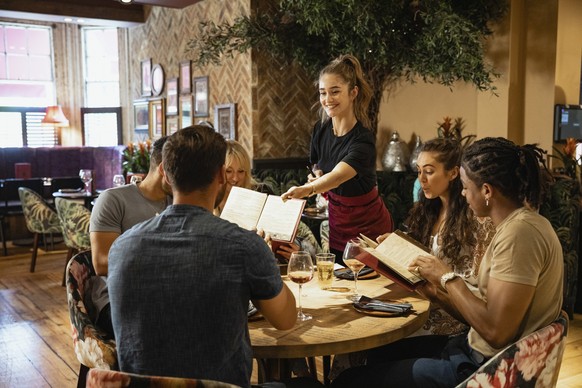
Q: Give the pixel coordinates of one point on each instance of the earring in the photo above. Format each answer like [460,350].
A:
[486,201]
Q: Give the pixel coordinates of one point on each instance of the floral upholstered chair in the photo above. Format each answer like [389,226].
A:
[92,347]
[533,361]
[98,378]
[74,219]
[39,216]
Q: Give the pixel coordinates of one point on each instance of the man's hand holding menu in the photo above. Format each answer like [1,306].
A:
[253,210]
[391,258]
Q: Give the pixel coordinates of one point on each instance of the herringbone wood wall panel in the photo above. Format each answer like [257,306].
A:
[273,116]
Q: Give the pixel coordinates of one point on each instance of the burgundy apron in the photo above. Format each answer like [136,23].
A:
[350,216]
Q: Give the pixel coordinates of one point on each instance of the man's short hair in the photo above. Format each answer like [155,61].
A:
[156,155]
[192,157]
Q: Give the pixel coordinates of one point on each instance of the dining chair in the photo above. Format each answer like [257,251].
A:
[92,346]
[40,218]
[99,378]
[532,361]
[74,219]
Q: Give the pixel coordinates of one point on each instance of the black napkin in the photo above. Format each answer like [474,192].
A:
[346,273]
[369,304]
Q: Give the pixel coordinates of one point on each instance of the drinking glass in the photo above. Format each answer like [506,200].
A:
[118,180]
[86,176]
[300,270]
[351,251]
[135,179]
[325,262]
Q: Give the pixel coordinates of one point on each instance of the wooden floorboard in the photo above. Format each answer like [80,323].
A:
[36,349]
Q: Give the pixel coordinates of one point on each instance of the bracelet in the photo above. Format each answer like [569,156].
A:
[313,192]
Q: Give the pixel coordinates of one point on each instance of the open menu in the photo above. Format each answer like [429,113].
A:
[392,256]
[253,210]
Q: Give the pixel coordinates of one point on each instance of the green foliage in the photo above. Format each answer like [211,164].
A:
[438,40]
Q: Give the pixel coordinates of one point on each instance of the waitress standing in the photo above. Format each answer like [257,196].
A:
[343,152]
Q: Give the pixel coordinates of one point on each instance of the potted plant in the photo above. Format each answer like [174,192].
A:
[136,159]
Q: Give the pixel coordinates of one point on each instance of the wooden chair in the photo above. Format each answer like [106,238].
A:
[74,219]
[92,346]
[99,378]
[40,218]
[533,361]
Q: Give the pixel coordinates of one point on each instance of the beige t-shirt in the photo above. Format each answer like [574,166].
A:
[525,250]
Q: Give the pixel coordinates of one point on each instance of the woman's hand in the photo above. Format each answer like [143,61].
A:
[318,173]
[382,237]
[297,192]
[285,250]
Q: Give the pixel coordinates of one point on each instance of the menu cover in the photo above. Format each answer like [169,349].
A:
[392,256]
[252,210]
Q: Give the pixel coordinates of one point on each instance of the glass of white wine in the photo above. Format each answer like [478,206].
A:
[300,270]
[86,176]
[118,180]
[351,251]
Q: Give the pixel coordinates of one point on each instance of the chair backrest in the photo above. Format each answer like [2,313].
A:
[39,216]
[98,378]
[74,219]
[91,346]
[532,361]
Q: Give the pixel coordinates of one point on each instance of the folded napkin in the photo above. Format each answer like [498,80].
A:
[346,273]
[369,304]
[252,309]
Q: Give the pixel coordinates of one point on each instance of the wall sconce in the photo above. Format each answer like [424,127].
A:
[54,116]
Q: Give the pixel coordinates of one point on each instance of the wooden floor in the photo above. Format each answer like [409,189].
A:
[36,349]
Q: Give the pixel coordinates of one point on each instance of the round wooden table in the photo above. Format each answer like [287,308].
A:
[336,327]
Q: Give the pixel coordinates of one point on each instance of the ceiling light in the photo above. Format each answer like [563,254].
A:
[126,1]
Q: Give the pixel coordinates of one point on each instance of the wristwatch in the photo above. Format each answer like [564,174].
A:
[446,277]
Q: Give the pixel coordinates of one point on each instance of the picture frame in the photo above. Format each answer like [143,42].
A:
[171,125]
[146,77]
[158,79]
[225,119]
[141,119]
[172,97]
[186,77]
[185,111]
[157,127]
[201,96]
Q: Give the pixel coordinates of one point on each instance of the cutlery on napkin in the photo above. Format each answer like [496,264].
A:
[367,303]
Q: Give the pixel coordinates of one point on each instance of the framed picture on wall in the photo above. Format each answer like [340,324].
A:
[141,118]
[185,77]
[225,119]
[146,77]
[158,79]
[171,125]
[201,96]
[172,95]
[157,118]
[185,111]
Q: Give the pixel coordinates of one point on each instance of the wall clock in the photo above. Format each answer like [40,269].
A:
[157,80]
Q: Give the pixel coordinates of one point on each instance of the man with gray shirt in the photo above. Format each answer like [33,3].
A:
[117,210]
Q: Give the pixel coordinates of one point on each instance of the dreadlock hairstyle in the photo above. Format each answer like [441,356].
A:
[514,170]
[460,224]
[349,69]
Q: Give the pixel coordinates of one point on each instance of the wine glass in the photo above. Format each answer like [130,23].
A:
[135,179]
[351,251]
[118,180]
[300,270]
[86,176]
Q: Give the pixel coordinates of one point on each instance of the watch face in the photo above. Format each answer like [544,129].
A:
[157,80]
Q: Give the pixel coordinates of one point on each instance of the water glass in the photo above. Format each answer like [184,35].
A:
[118,180]
[135,179]
[86,176]
[325,262]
